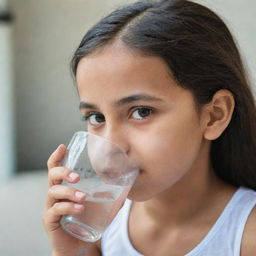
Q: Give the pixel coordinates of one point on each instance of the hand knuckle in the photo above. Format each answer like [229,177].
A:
[52,190]
[49,161]
[56,207]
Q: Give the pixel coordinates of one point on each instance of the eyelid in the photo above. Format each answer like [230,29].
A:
[133,109]
[140,107]
[86,116]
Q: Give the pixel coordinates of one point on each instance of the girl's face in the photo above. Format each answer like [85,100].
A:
[132,100]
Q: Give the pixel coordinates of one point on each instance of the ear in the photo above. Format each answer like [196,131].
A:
[218,114]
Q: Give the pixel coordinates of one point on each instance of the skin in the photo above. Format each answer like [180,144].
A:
[132,100]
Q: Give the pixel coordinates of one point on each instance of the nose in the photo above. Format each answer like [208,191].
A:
[118,135]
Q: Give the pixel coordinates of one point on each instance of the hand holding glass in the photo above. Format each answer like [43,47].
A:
[106,176]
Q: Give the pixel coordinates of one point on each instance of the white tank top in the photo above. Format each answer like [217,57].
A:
[224,238]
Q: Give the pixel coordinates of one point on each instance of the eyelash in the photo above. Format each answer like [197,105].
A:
[151,110]
[131,111]
[86,117]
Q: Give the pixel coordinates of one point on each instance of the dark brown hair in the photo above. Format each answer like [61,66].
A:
[203,58]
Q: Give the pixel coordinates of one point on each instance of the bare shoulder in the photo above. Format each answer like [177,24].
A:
[248,247]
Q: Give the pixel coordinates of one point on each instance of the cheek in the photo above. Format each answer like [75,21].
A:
[172,148]
[165,157]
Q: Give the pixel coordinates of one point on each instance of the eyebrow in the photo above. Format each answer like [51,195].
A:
[123,101]
[84,105]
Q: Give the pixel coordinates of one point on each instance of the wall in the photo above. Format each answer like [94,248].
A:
[240,16]
[46,32]
[7,154]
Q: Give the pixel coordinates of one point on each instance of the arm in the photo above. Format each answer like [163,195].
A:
[91,249]
[248,247]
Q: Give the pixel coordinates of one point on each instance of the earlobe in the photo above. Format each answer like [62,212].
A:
[219,113]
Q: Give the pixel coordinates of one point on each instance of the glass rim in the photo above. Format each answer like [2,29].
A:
[86,133]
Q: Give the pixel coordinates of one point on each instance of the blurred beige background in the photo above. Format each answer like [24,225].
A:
[39,103]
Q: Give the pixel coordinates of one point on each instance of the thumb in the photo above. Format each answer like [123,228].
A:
[56,156]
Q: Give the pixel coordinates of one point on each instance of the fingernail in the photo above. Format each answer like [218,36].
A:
[79,194]
[57,149]
[73,175]
[78,206]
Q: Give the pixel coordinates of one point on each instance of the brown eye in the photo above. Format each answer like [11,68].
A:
[94,118]
[141,113]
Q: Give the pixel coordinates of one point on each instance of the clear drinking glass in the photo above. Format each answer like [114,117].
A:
[106,176]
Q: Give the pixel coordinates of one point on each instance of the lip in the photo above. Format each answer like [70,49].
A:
[111,172]
[115,171]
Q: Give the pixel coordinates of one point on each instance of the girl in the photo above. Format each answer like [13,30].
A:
[165,81]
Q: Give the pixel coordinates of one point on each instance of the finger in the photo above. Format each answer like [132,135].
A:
[57,175]
[53,215]
[56,157]
[62,192]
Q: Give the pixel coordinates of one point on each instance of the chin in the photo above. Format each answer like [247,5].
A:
[137,193]
[137,198]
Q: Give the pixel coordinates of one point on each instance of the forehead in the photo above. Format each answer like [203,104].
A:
[117,71]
